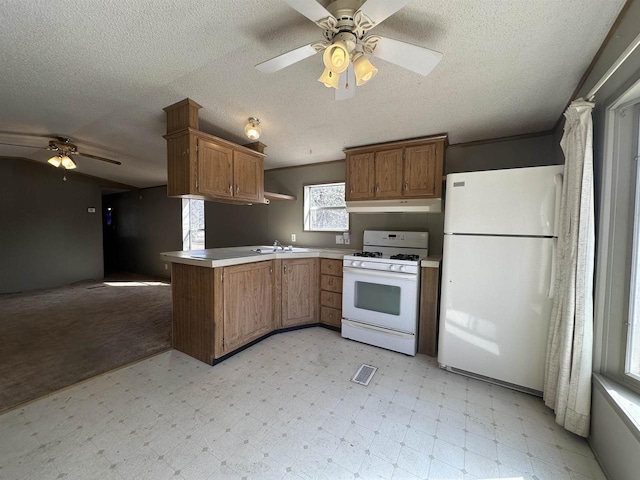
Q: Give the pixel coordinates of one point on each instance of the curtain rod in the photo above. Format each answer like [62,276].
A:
[621,59]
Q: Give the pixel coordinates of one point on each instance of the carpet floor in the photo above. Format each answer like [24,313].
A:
[51,339]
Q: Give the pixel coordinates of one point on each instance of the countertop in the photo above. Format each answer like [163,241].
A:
[432,261]
[224,257]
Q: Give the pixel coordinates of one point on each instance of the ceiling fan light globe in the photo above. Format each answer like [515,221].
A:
[363,69]
[329,79]
[68,163]
[336,57]
[55,161]
[252,129]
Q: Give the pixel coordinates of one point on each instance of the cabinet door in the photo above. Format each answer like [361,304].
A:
[248,175]
[181,165]
[423,171]
[299,291]
[360,176]
[388,168]
[247,291]
[215,169]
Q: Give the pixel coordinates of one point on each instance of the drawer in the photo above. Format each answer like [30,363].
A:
[331,283]
[331,267]
[330,299]
[331,316]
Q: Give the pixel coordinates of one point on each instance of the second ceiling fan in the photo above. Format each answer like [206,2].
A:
[346,45]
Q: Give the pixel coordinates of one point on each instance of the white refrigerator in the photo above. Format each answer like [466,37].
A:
[498,273]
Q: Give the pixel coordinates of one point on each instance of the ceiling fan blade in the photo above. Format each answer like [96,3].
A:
[95,157]
[286,59]
[25,146]
[346,85]
[380,10]
[310,9]
[414,58]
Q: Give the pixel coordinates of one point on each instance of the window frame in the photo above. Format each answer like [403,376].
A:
[306,208]
[186,224]
[613,277]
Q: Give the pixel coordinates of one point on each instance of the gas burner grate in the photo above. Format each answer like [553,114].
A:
[404,256]
[368,254]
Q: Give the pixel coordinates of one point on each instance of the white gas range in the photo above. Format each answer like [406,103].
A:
[381,290]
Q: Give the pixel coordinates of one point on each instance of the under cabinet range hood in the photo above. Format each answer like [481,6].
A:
[414,205]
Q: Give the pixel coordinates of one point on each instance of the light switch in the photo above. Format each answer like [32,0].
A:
[91,210]
[339,239]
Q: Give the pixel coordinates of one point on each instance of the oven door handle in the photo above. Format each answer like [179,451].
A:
[380,273]
[366,326]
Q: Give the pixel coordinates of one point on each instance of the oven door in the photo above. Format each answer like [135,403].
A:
[384,299]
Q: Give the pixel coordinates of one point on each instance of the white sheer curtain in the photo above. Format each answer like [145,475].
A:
[567,383]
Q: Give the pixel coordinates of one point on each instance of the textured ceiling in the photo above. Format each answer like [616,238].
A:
[101,72]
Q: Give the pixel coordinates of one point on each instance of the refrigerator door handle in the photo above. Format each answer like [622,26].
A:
[552,280]
[557,179]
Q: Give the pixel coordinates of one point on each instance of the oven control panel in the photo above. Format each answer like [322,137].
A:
[372,264]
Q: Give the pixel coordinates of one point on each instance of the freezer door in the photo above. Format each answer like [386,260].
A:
[518,201]
[495,307]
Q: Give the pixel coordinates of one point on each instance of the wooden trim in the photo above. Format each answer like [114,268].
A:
[213,138]
[428,321]
[278,196]
[257,146]
[218,313]
[509,138]
[182,114]
[597,56]
[181,103]
[399,143]
[276,265]
[304,165]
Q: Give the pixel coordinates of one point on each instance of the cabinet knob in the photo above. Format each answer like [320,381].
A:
[406,186]
[230,188]
[237,188]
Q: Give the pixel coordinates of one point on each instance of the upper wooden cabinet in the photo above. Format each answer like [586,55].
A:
[207,167]
[405,169]
[200,165]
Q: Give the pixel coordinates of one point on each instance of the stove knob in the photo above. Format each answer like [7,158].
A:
[401,268]
[392,267]
[355,263]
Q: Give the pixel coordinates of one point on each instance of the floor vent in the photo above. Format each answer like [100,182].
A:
[364,375]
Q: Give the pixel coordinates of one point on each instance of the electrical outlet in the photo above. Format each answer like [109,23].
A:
[293,238]
[91,209]
[347,238]
[339,239]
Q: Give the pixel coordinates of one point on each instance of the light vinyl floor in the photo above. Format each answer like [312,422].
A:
[286,409]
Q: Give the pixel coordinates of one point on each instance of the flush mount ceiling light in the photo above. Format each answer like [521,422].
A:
[252,128]
[346,24]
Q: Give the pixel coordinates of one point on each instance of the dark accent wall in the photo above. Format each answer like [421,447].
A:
[47,237]
[146,223]
[228,225]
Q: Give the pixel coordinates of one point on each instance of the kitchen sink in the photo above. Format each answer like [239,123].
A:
[270,249]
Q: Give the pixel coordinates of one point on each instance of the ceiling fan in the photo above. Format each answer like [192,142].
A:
[64,149]
[346,24]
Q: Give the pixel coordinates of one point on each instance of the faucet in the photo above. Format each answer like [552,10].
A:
[277,245]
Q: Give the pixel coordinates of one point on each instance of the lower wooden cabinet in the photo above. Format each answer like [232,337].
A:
[248,309]
[299,292]
[429,301]
[331,292]
[218,310]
